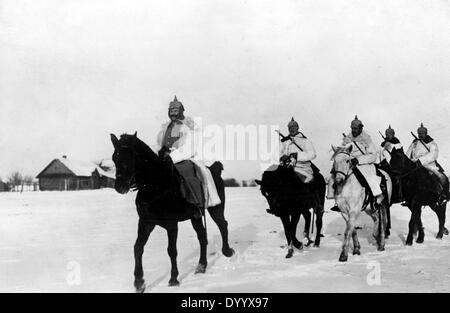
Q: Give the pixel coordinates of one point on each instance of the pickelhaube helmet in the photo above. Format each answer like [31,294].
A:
[390,131]
[422,129]
[175,104]
[292,123]
[356,122]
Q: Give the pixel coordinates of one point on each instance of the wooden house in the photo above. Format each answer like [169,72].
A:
[67,174]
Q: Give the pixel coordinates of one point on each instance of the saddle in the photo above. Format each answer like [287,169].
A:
[191,185]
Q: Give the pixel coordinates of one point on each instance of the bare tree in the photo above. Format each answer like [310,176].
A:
[15,179]
[28,179]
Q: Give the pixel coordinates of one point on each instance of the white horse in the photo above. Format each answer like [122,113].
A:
[350,197]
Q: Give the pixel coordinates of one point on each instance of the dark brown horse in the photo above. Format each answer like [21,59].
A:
[159,202]
[418,189]
[289,198]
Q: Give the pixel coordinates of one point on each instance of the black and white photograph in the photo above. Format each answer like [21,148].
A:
[215,147]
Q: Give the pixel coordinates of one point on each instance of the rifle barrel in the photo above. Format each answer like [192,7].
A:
[415,137]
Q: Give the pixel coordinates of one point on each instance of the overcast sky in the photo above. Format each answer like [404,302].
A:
[73,71]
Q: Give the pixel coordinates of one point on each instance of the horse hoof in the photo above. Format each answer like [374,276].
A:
[409,242]
[290,254]
[316,245]
[139,284]
[298,245]
[419,240]
[173,282]
[356,252]
[439,236]
[201,269]
[228,252]
[343,258]
[380,248]
[445,231]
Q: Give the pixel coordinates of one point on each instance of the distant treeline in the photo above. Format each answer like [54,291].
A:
[16,181]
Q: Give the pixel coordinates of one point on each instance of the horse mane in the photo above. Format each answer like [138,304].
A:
[141,147]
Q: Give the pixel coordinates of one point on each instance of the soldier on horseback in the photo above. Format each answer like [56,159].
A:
[390,142]
[177,140]
[364,157]
[424,151]
[297,151]
[294,187]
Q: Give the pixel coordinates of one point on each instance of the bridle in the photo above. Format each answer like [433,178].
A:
[346,175]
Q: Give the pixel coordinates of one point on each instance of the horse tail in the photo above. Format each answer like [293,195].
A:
[216,171]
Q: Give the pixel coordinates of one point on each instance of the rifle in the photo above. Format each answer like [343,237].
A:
[286,138]
[415,137]
[428,149]
[345,136]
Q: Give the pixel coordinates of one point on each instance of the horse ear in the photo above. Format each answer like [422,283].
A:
[333,148]
[350,148]
[135,134]
[114,140]
[394,149]
[258,182]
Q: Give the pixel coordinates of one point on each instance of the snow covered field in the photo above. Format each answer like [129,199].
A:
[83,241]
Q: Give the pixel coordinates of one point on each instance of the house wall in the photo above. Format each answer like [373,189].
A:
[68,183]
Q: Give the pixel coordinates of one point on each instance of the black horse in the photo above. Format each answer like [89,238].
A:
[418,188]
[289,198]
[160,202]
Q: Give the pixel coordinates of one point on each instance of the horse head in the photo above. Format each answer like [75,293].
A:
[341,163]
[399,162]
[124,158]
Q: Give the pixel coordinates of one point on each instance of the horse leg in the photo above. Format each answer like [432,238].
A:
[217,214]
[412,222]
[387,232]
[376,224]
[287,232]
[356,244]
[440,212]
[319,223]
[421,236]
[172,234]
[345,246]
[144,230]
[203,240]
[307,216]
[383,221]
[295,218]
